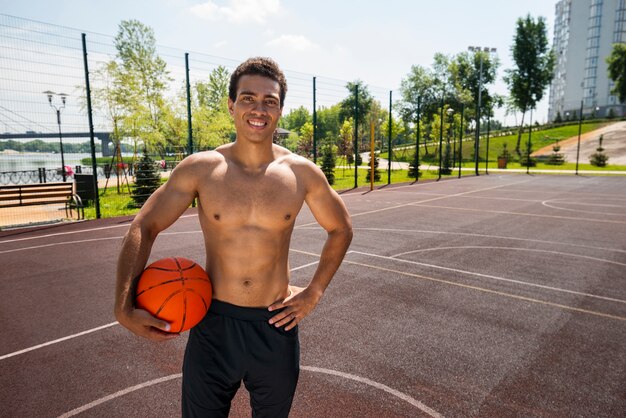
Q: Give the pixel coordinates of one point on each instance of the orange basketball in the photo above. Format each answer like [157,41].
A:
[176,290]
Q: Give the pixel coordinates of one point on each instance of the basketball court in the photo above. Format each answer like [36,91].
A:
[499,295]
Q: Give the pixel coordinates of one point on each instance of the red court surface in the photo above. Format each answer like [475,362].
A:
[485,296]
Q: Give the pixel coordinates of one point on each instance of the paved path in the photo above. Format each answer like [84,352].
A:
[614,144]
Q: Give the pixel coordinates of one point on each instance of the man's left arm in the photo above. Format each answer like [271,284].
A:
[332,215]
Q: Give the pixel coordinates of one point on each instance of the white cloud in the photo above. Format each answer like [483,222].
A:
[238,11]
[295,42]
[220,44]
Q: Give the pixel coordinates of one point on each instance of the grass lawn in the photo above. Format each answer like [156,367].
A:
[113,203]
[539,139]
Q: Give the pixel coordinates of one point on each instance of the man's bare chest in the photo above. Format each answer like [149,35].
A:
[267,200]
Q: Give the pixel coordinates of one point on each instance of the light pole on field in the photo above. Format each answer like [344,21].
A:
[58,108]
[478,50]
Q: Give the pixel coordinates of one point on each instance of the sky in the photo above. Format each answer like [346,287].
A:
[374,41]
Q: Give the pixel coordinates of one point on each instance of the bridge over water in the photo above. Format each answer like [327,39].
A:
[105,137]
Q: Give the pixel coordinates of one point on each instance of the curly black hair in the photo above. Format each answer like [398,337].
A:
[263,66]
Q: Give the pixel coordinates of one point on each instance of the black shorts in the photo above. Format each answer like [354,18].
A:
[234,343]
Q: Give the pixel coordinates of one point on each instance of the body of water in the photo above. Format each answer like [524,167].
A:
[35,160]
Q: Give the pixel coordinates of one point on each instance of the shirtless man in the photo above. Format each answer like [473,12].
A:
[249,193]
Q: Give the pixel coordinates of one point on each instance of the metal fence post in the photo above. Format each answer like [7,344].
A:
[314,123]
[356,136]
[189,126]
[389,150]
[94,166]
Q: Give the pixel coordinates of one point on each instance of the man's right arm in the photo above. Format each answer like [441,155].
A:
[159,212]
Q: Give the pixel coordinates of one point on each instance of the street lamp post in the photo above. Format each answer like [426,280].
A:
[58,108]
[580,127]
[480,89]
[448,170]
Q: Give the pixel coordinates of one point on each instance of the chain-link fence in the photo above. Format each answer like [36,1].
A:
[138,135]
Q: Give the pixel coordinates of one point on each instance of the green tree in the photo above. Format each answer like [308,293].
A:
[465,77]
[305,143]
[211,94]
[328,121]
[348,104]
[213,127]
[599,158]
[143,77]
[344,146]
[376,170]
[147,180]
[534,64]
[617,70]
[295,119]
[329,161]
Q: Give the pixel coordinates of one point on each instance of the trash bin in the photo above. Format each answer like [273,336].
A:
[84,186]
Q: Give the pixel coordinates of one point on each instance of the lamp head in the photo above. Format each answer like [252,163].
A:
[63,96]
[49,94]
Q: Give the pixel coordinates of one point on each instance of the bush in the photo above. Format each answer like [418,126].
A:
[147,180]
[414,170]
[556,158]
[527,160]
[329,161]
[558,118]
[376,171]
[599,158]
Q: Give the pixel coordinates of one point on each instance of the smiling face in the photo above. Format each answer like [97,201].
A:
[256,109]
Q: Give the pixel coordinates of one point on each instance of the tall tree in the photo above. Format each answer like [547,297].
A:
[364,99]
[295,119]
[145,78]
[328,121]
[212,93]
[617,70]
[465,80]
[212,124]
[305,143]
[345,145]
[534,64]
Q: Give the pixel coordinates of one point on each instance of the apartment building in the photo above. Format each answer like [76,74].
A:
[584,34]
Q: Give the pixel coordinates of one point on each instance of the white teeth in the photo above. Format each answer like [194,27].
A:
[256,123]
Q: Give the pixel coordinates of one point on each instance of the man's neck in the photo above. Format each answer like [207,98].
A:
[253,156]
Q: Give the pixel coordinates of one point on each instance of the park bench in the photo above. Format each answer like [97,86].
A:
[42,194]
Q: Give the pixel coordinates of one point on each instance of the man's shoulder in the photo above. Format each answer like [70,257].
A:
[296,161]
[204,158]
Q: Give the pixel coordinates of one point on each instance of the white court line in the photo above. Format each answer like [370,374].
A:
[561,192]
[118,394]
[603,260]
[482,289]
[69,337]
[488,276]
[583,204]
[481,236]
[431,412]
[34,247]
[377,385]
[420,201]
[304,266]
[65,233]
[125,225]
[545,203]
[418,204]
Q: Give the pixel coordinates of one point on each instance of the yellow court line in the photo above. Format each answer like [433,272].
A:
[509,295]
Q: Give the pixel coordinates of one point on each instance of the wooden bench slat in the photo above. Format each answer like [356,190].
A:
[41,194]
[34,195]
